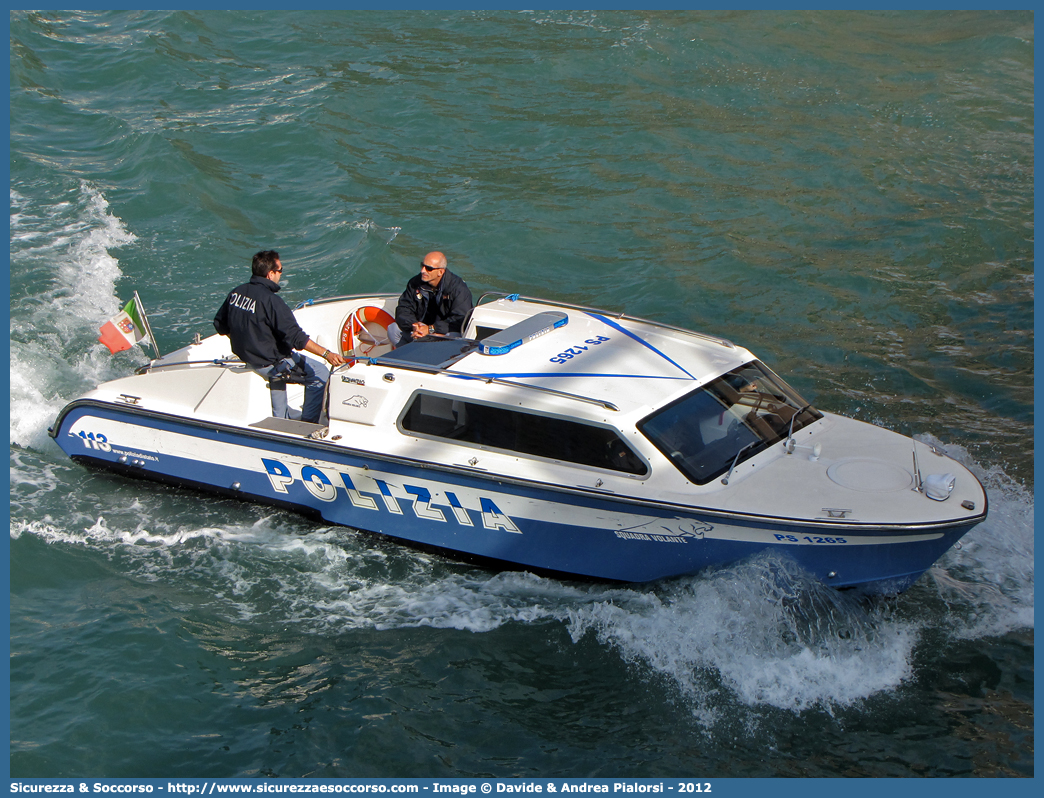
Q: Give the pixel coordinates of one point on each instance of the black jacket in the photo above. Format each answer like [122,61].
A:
[262,328]
[443,308]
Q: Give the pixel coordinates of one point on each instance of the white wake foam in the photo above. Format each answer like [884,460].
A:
[987,579]
[759,634]
[65,246]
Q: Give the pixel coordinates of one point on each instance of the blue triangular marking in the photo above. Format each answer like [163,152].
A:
[646,344]
[521,374]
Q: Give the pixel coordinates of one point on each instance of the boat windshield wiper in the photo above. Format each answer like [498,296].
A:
[789,445]
[725,479]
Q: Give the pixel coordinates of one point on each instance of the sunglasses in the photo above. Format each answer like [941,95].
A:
[428,268]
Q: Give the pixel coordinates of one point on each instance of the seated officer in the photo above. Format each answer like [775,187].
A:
[435,302]
[264,335]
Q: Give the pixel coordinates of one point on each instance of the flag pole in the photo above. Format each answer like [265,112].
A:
[145,321]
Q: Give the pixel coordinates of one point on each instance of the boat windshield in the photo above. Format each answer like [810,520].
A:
[740,413]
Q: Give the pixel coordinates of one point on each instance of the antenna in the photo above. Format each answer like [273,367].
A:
[145,321]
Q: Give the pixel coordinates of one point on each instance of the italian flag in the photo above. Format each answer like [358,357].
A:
[124,329]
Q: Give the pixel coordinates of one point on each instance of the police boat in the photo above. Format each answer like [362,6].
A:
[555,438]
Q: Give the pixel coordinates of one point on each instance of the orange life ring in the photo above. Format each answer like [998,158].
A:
[367,326]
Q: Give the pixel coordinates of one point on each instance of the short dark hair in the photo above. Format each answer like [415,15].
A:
[264,262]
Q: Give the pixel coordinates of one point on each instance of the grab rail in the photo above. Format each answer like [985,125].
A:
[309,302]
[614,314]
[463,375]
[552,302]
[224,362]
[398,364]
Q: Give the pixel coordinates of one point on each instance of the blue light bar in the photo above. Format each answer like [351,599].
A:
[517,334]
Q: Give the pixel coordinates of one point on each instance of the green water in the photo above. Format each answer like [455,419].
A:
[849,195]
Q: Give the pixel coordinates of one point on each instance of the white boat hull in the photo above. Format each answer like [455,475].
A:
[510,521]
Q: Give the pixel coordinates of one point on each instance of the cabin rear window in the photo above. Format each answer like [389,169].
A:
[521,432]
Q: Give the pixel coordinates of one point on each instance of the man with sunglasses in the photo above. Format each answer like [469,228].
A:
[435,302]
[264,335]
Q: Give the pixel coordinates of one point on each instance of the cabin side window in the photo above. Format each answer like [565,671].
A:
[521,432]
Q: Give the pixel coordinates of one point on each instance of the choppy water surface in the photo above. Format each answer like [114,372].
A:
[850,195]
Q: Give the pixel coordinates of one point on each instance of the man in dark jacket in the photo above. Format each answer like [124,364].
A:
[435,302]
[264,335]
